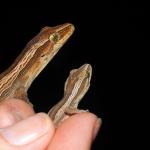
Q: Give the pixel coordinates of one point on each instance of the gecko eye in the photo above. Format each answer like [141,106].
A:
[54,37]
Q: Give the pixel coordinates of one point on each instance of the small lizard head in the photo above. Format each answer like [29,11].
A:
[78,81]
[55,38]
[51,39]
[84,72]
[61,33]
[57,35]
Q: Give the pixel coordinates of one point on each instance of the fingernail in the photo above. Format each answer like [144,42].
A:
[96,127]
[27,130]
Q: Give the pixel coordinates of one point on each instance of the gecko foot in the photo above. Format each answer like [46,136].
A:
[70,111]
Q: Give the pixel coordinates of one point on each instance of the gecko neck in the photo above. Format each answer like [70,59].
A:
[8,77]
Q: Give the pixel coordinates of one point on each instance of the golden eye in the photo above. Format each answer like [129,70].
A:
[54,37]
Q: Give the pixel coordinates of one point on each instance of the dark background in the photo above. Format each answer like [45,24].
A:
[109,35]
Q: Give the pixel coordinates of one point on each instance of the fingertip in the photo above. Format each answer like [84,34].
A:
[77,131]
[90,122]
[96,127]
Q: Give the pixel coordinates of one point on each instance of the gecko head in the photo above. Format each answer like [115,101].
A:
[57,35]
[51,39]
[61,33]
[80,77]
[85,71]
[48,42]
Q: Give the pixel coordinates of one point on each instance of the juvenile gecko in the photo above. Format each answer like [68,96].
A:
[75,88]
[16,80]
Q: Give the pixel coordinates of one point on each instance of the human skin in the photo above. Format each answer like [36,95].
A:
[22,128]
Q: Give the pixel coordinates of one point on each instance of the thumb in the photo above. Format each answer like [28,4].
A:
[28,131]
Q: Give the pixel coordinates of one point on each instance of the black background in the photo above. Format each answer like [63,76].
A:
[109,35]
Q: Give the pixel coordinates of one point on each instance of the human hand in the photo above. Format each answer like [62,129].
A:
[22,129]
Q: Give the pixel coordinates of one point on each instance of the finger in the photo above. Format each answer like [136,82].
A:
[76,133]
[32,133]
[14,110]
